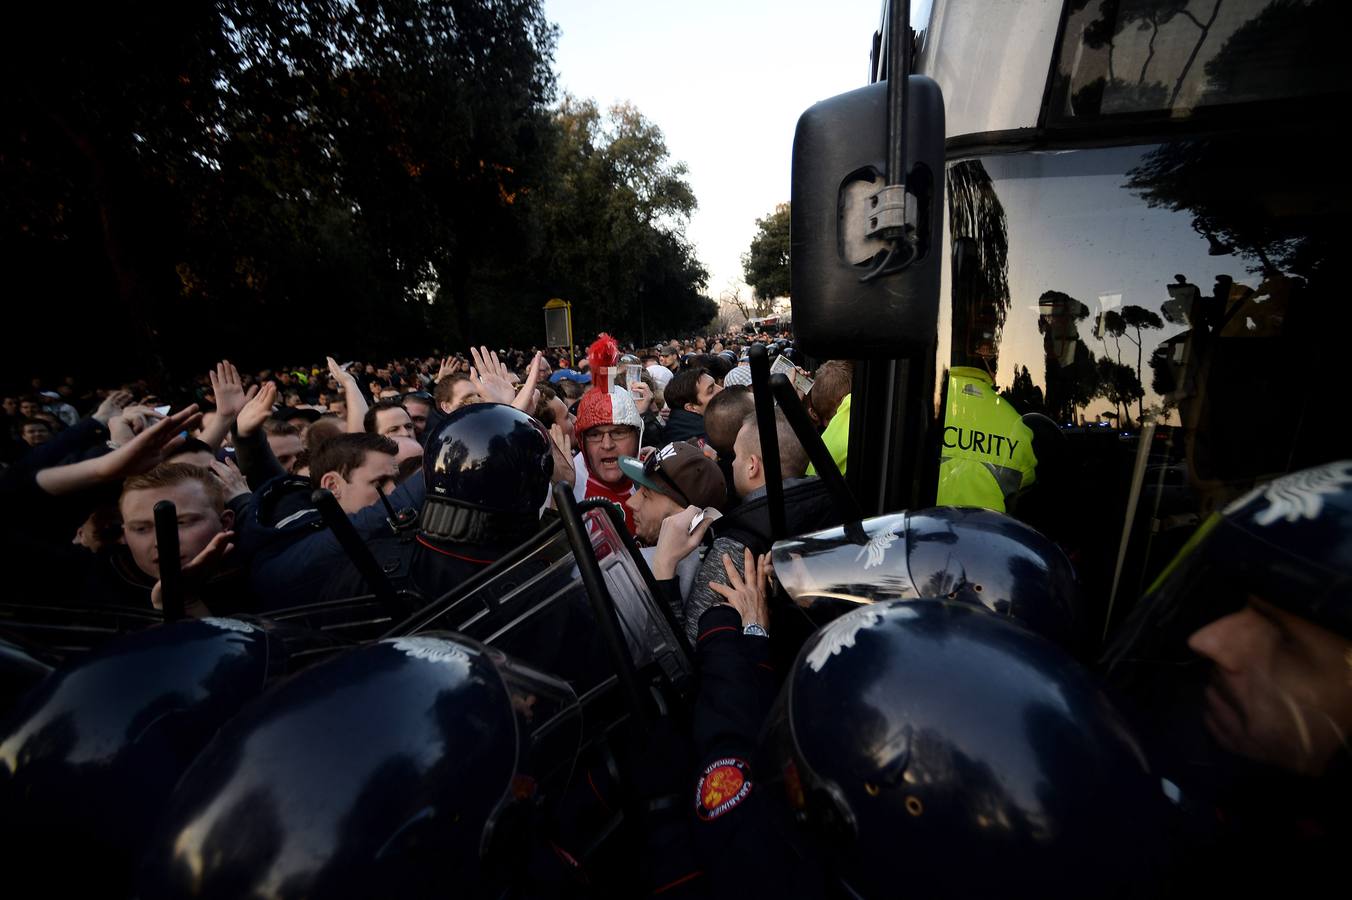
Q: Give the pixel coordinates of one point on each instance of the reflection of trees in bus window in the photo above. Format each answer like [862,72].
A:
[980,242]
[1192,284]
[1160,56]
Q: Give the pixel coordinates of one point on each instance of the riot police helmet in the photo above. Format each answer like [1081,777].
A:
[488,467]
[928,748]
[1236,668]
[964,554]
[404,768]
[89,757]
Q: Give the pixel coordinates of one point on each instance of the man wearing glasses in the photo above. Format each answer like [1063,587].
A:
[608,427]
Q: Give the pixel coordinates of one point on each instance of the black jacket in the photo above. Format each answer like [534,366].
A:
[684,425]
[736,839]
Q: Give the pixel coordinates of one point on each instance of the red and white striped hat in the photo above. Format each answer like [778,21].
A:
[605,403]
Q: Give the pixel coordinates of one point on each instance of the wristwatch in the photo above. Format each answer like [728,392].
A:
[756,630]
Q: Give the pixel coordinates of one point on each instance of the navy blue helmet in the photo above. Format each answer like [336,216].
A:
[928,748]
[488,467]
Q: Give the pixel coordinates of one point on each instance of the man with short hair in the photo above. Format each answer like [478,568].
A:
[723,418]
[389,418]
[455,391]
[204,533]
[356,468]
[724,415]
[35,431]
[670,479]
[828,405]
[422,410]
[285,442]
[686,396]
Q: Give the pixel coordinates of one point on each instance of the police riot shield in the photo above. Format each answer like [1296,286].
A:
[535,606]
[973,556]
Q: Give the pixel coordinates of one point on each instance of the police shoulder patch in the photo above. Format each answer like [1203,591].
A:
[722,788]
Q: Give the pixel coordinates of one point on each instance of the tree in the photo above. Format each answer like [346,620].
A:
[766,265]
[609,226]
[1118,385]
[1138,318]
[265,178]
[1025,396]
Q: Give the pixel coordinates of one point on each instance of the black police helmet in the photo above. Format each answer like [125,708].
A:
[488,467]
[403,768]
[927,748]
[970,555]
[89,757]
[1282,550]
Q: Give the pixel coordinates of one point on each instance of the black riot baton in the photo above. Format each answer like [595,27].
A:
[817,452]
[171,572]
[769,439]
[356,549]
[603,607]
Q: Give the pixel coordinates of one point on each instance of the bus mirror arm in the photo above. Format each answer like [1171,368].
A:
[769,439]
[846,506]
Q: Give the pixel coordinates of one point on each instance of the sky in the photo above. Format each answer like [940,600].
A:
[725,80]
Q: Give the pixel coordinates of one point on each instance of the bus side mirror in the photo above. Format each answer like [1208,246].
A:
[856,293]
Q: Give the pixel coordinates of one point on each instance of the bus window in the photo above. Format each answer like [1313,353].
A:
[1167,322]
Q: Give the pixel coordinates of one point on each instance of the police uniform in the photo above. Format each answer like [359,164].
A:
[741,851]
[987,457]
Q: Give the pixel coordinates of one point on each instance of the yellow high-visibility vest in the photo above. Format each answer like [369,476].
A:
[836,437]
[987,455]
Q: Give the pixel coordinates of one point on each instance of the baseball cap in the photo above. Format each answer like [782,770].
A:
[569,375]
[681,471]
[661,375]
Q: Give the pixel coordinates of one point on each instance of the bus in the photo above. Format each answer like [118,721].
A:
[1138,232]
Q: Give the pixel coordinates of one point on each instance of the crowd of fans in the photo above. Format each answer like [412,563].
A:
[666,432]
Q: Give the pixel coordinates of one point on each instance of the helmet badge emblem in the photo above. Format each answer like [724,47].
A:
[876,548]
[1299,495]
[841,634]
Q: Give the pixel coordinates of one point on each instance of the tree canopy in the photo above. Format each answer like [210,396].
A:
[276,181]
[765,266]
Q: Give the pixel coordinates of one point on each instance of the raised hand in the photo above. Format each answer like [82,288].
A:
[145,451]
[228,390]
[340,375]
[254,413]
[561,444]
[526,398]
[676,540]
[231,479]
[488,379]
[488,363]
[450,366]
[112,407]
[203,566]
[643,397]
[356,403]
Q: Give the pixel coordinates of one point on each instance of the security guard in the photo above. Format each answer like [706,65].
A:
[987,457]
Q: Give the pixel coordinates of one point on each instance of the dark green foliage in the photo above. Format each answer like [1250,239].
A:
[278,181]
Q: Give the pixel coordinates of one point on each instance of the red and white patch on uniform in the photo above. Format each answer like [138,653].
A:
[722,787]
